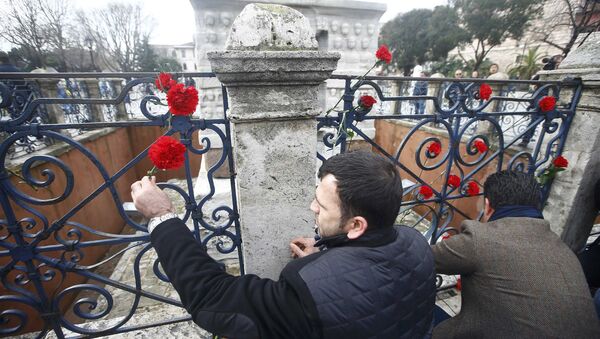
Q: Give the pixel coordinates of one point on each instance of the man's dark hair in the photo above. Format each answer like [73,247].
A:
[506,188]
[368,185]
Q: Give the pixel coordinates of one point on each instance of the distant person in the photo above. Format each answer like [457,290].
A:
[494,69]
[419,90]
[453,89]
[6,65]
[475,74]
[519,280]
[552,63]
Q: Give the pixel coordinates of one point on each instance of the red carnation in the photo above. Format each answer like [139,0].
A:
[453,180]
[560,162]
[480,146]
[547,103]
[366,101]
[182,100]
[472,188]
[426,191]
[383,54]
[164,81]
[485,91]
[167,153]
[435,148]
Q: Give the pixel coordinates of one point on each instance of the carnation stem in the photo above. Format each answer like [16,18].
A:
[360,78]
[23,181]
[152,172]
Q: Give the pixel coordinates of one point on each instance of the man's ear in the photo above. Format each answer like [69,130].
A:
[356,226]
[487,210]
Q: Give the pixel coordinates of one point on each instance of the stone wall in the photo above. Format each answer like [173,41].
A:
[571,206]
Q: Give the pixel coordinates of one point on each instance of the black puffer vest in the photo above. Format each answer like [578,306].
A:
[380,287]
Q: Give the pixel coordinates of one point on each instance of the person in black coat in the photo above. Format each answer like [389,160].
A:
[363,278]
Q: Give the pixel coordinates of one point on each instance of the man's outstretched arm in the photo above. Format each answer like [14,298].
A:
[240,307]
[457,254]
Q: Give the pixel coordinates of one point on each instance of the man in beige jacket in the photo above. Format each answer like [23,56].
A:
[519,280]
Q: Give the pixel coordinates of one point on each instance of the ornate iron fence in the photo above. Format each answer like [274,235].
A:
[456,119]
[39,255]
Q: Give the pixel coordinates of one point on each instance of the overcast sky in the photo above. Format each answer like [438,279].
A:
[175,18]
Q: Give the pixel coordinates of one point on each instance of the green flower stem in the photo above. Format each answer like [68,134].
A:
[360,78]
[152,172]
[23,181]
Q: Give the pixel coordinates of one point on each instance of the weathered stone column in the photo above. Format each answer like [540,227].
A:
[570,209]
[94,93]
[49,89]
[117,85]
[433,90]
[272,70]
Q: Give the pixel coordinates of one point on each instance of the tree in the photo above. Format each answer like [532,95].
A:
[422,35]
[491,22]
[23,26]
[529,64]
[579,16]
[40,30]
[118,31]
[57,23]
[149,61]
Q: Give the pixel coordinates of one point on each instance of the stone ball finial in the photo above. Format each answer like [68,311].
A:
[268,27]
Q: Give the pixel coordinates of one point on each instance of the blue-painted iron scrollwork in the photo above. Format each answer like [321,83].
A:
[38,255]
[475,136]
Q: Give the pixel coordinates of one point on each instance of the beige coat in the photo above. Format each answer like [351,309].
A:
[519,280]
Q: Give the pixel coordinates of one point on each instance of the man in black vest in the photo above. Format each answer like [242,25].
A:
[363,278]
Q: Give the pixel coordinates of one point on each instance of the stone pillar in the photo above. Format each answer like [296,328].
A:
[272,70]
[49,89]
[94,93]
[433,89]
[117,85]
[571,205]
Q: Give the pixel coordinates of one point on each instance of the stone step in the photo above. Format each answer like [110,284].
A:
[143,317]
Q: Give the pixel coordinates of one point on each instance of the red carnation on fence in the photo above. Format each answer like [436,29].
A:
[426,192]
[366,101]
[182,100]
[485,91]
[166,153]
[453,181]
[558,164]
[164,81]
[480,145]
[472,188]
[434,149]
[547,104]
[383,54]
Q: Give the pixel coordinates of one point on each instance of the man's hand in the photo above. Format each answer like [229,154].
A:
[149,199]
[302,247]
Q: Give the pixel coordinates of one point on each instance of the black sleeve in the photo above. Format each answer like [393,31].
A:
[234,307]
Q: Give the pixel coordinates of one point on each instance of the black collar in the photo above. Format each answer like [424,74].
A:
[371,238]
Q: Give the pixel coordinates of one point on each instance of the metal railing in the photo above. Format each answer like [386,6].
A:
[516,133]
[39,255]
